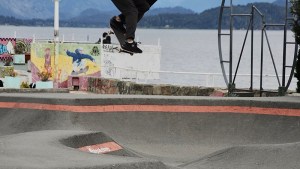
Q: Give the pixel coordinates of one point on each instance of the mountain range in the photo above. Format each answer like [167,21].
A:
[274,14]
[43,9]
[175,17]
[279,2]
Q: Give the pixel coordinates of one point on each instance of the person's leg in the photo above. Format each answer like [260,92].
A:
[121,18]
[129,10]
[132,11]
[143,8]
[151,2]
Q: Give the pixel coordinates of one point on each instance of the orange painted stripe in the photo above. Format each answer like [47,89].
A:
[152,108]
[102,148]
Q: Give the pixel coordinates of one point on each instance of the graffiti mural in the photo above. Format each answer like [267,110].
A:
[24,44]
[42,59]
[124,66]
[72,60]
[7,47]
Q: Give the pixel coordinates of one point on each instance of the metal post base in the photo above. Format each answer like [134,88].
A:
[231,87]
[281,91]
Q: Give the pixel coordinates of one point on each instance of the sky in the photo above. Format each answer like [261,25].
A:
[200,5]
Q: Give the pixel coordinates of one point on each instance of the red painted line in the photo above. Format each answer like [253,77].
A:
[102,148]
[153,108]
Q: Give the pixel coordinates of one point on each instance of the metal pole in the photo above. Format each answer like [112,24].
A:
[56,40]
[56,20]
[220,42]
[284,46]
[262,61]
[272,57]
[293,67]
[231,49]
[252,48]
[241,54]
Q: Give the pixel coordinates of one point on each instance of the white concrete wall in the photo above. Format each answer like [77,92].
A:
[124,66]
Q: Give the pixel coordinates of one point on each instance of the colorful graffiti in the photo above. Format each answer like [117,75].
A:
[116,65]
[7,47]
[72,60]
[42,57]
[24,45]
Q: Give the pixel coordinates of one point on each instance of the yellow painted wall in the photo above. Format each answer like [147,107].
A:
[64,67]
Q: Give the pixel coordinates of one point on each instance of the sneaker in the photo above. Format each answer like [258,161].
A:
[131,47]
[114,24]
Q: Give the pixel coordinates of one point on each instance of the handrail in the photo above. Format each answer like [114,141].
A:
[188,73]
[220,42]
[272,57]
[258,11]
[230,78]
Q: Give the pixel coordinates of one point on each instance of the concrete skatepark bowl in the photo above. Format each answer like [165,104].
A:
[129,132]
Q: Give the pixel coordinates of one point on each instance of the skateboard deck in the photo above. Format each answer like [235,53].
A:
[120,50]
[121,38]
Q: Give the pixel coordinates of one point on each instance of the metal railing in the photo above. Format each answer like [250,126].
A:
[230,78]
[210,78]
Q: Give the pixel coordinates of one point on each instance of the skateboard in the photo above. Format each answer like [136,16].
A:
[121,38]
[120,50]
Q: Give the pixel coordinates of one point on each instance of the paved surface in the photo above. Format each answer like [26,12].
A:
[157,132]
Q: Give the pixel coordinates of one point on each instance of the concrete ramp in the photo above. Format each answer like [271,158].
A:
[97,143]
[250,157]
[38,150]
[154,132]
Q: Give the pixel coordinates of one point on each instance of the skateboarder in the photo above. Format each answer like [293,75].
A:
[132,11]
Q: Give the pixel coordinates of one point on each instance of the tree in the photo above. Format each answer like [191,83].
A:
[295,11]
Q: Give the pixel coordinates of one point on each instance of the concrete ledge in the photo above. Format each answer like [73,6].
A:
[113,86]
[96,99]
[6,90]
[12,82]
[44,85]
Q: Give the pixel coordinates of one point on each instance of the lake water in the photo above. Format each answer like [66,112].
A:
[193,51]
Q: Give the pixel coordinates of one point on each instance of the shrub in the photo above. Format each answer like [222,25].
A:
[295,11]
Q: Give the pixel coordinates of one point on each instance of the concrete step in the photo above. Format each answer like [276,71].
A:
[243,94]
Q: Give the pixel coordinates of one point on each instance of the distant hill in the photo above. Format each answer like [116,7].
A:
[95,18]
[43,9]
[209,18]
[26,8]
[176,17]
[280,2]
[90,18]
[169,10]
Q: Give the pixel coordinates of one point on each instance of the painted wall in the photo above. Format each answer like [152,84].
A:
[7,47]
[121,65]
[92,60]
[26,43]
[40,52]
[73,59]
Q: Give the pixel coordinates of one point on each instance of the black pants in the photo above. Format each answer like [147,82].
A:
[132,12]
